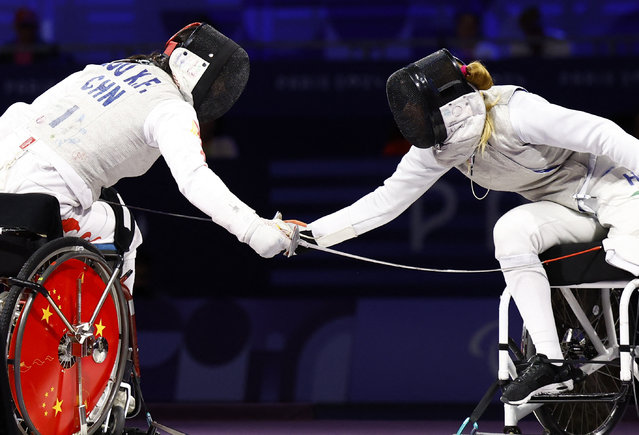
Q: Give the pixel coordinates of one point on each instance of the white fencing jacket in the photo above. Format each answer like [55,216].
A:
[112,121]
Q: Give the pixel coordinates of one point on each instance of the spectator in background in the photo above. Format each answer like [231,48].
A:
[538,41]
[27,48]
[468,43]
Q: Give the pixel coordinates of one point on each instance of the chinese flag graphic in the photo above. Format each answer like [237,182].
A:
[46,368]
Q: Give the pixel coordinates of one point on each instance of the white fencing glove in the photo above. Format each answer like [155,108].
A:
[267,237]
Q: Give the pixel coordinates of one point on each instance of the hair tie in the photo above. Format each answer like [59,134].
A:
[464,70]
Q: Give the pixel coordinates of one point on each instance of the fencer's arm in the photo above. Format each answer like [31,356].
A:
[173,128]
[539,122]
[415,174]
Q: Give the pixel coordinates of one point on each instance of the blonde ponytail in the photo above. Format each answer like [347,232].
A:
[477,75]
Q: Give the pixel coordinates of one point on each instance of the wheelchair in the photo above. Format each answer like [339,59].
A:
[595,309]
[67,328]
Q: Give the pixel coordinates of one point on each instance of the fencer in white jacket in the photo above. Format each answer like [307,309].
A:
[115,120]
[579,171]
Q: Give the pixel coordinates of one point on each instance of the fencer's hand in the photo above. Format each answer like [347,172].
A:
[306,234]
[287,227]
[267,237]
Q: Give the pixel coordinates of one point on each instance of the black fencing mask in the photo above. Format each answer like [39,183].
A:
[210,69]
[416,92]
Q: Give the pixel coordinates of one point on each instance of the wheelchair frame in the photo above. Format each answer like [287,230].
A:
[617,347]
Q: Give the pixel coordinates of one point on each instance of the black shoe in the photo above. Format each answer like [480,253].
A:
[539,377]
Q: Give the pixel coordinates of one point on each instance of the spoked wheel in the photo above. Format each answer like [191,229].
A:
[586,417]
[63,376]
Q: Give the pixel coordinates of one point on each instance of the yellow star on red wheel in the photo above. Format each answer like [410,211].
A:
[46,314]
[99,328]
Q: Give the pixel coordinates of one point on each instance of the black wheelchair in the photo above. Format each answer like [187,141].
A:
[595,309]
[67,328]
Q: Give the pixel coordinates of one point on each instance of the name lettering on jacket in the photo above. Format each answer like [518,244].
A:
[105,89]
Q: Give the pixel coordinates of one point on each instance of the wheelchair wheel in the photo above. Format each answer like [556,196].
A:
[58,382]
[584,417]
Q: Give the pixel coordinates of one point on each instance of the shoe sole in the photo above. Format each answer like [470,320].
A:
[551,389]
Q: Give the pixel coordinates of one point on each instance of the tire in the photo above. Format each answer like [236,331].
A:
[41,363]
[584,418]
[116,421]
[7,420]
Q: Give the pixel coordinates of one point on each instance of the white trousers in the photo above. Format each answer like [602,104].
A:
[30,174]
[524,232]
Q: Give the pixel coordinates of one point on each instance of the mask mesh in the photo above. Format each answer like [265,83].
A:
[408,107]
[226,88]
[416,92]
[231,80]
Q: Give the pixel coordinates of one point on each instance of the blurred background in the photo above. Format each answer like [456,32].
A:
[312,133]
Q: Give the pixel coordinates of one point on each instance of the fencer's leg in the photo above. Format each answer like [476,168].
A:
[623,237]
[129,259]
[520,236]
[97,224]
[617,206]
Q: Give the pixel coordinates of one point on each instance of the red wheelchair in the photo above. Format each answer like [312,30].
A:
[67,328]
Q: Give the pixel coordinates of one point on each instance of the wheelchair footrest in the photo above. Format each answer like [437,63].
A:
[591,397]
[594,397]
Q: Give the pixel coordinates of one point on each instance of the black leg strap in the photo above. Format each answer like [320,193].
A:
[124,228]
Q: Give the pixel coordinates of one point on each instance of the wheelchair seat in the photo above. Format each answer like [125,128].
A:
[589,267]
[27,221]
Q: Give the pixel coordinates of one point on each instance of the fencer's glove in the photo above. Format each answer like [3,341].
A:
[267,238]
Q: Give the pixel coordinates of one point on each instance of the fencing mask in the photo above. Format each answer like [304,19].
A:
[210,69]
[416,92]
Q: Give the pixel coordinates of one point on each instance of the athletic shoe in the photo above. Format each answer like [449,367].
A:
[539,377]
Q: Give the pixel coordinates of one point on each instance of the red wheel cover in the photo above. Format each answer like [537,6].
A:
[49,389]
